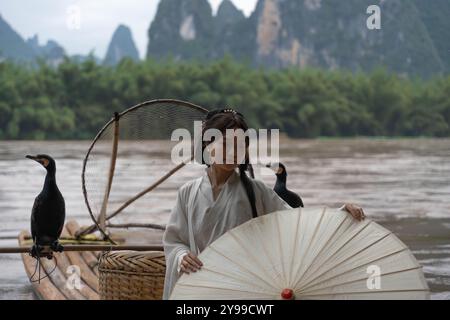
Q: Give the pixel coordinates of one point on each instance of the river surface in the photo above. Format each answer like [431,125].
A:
[402,184]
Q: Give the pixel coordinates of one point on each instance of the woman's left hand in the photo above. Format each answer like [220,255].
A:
[355,211]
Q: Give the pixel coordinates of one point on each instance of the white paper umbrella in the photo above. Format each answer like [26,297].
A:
[305,254]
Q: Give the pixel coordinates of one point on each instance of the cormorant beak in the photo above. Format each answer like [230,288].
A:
[42,161]
[275,167]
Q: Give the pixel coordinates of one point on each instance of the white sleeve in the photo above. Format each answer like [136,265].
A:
[175,242]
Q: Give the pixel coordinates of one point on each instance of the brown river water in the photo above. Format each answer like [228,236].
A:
[402,184]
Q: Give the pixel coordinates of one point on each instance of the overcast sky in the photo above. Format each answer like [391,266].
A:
[58,20]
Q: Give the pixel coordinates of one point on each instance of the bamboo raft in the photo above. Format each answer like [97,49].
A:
[123,272]
[54,287]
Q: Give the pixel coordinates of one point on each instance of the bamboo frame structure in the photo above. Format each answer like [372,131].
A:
[96,225]
[92,228]
[112,168]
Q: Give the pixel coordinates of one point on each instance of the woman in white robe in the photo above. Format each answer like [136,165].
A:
[212,204]
[197,220]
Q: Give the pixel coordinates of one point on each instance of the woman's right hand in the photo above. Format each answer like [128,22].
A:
[190,263]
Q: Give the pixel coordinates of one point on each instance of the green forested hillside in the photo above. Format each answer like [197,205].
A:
[73,101]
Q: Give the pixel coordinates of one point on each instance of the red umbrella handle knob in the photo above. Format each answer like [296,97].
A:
[287,294]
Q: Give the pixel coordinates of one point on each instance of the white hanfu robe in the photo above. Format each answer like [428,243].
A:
[197,220]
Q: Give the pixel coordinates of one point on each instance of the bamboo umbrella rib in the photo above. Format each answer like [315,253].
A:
[367,292]
[301,291]
[241,266]
[264,249]
[294,250]
[280,247]
[368,246]
[347,242]
[324,246]
[309,245]
[224,289]
[308,284]
[353,255]
[358,266]
[250,254]
[241,279]
[301,241]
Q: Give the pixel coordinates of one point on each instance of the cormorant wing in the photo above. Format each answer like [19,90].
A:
[37,206]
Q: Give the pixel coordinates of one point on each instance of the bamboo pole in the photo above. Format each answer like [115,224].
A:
[112,168]
[81,247]
[151,188]
[137,225]
[92,228]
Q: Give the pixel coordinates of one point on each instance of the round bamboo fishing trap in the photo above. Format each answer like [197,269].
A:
[122,180]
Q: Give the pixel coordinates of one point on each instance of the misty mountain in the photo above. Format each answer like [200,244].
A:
[436,17]
[331,34]
[227,15]
[121,46]
[14,47]
[51,52]
[182,29]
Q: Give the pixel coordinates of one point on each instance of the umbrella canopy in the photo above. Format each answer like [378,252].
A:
[305,254]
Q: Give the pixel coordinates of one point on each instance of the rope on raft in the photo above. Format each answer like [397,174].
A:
[38,270]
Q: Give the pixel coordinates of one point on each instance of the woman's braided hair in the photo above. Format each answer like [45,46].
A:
[222,120]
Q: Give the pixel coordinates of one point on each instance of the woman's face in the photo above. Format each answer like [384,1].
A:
[228,154]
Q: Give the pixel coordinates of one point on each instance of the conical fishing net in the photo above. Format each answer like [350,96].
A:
[121,188]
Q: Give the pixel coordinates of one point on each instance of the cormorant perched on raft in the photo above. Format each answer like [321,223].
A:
[290,197]
[49,211]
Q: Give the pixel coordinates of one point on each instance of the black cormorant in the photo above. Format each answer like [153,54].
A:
[49,211]
[290,197]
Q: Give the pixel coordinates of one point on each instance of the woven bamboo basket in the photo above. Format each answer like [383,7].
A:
[131,275]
